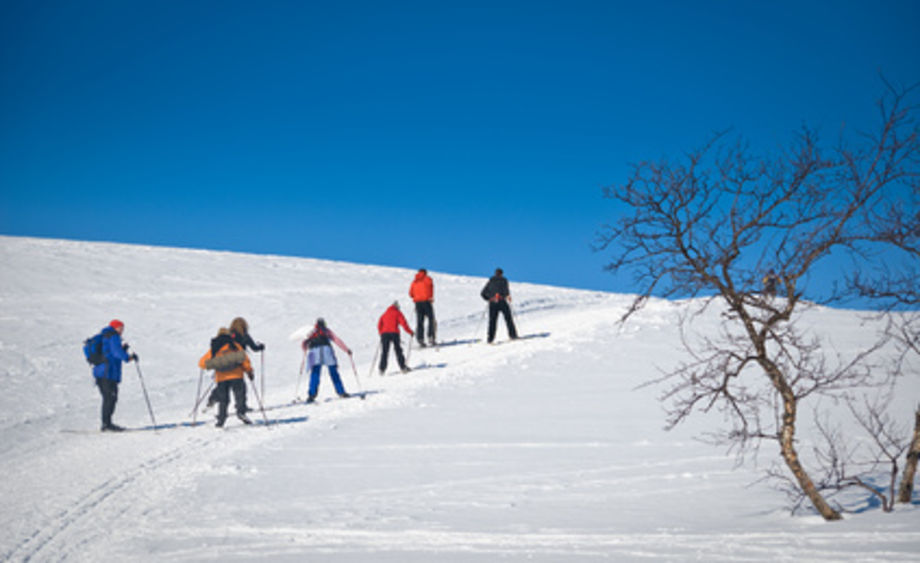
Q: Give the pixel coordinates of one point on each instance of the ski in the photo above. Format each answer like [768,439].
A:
[360,395]
[420,367]
[449,343]
[261,423]
[148,428]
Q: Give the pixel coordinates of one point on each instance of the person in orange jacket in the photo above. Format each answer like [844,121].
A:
[422,293]
[230,364]
[388,327]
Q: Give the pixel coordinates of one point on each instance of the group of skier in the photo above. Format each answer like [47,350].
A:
[228,359]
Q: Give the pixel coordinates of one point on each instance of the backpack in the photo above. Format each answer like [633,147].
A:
[227,361]
[92,349]
[319,338]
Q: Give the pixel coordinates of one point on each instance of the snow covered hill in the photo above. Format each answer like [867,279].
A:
[537,450]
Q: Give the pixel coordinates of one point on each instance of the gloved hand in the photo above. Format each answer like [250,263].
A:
[133,357]
[125,346]
[252,376]
[258,347]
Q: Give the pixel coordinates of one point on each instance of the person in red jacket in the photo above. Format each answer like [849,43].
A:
[388,327]
[422,293]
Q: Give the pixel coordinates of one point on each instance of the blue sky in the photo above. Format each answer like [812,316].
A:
[453,136]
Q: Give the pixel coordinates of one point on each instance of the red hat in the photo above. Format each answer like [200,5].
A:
[117,324]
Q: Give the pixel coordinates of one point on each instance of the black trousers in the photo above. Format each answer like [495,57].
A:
[109,391]
[238,386]
[505,309]
[423,310]
[386,339]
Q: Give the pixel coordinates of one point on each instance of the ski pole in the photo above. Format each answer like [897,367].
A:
[479,326]
[262,369]
[255,391]
[517,326]
[373,363]
[197,397]
[355,370]
[300,376]
[146,397]
[207,392]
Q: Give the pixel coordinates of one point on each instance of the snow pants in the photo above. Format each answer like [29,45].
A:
[238,386]
[333,374]
[386,339]
[109,391]
[424,310]
[494,308]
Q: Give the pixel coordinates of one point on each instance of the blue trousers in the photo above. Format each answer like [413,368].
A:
[333,373]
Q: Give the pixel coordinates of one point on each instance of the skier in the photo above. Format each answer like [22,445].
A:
[239,329]
[230,364]
[769,283]
[388,327]
[498,295]
[318,346]
[108,373]
[422,293]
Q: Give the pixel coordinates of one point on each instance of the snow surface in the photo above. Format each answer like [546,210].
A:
[536,450]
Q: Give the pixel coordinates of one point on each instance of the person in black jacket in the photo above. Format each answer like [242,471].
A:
[239,335]
[239,329]
[229,376]
[498,295]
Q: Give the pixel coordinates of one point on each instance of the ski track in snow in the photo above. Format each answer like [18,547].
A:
[92,510]
[477,496]
[250,544]
[55,537]
[87,506]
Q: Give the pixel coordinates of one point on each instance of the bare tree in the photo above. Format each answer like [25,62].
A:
[904,330]
[845,461]
[711,224]
[896,288]
[906,490]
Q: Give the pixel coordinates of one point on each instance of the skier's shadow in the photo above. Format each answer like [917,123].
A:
[535,335]
[171,426]
[457,342]
[426,365]
[302,402]
[281,421]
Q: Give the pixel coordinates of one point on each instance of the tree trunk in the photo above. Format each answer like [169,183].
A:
[787,445]
[906,491]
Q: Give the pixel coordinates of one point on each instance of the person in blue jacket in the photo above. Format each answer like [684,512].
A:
[108,373]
